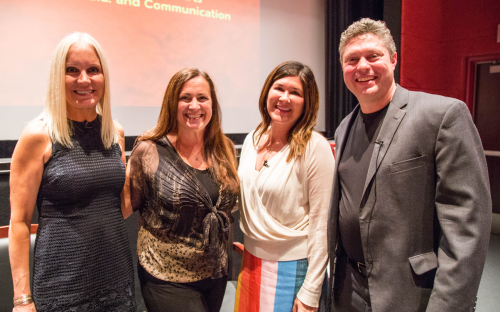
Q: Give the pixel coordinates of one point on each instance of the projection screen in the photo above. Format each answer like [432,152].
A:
[238,42]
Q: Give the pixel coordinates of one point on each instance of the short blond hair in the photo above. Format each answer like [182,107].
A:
[367,26]
[54,113]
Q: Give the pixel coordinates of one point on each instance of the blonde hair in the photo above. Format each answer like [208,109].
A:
[300,133]
[218,148]
[367,26]
[54,113]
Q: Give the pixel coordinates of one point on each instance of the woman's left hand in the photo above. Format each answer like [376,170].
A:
[298,306]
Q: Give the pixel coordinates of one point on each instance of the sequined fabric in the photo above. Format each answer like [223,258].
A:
[183,236]
[83,260]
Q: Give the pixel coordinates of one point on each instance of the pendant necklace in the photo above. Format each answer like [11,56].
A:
[198,154]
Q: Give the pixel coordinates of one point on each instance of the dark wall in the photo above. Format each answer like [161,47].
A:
[494,174]
[7,148]
[4,200]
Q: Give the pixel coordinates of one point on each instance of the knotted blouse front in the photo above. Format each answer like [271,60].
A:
[182,236]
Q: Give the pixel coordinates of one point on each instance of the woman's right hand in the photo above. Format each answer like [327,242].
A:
[25,308]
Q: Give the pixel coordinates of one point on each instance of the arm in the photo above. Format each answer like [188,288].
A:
[121,140]
[463,206]
[126,204]
[135,178]
[125,194]
[32,151]
[320,180]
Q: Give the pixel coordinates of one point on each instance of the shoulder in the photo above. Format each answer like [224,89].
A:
[119,129]
[35,132]
[434,108]
[249,136]
[433,101]
[345,122]
[318,137]
[318,146]
[248,140]
[142,148]
[34,142]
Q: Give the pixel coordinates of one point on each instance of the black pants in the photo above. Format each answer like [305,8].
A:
[351,289]
[162,296]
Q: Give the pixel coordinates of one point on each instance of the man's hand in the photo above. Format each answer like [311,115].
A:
[298,306]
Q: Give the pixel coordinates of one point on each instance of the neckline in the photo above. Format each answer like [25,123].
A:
[268,160]
[178,155]
[84,122]
[374,115]
[196,180]
[200,170]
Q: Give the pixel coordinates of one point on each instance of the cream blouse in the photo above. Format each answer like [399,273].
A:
[284,208]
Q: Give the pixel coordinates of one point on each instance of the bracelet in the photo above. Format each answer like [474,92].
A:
[22,300]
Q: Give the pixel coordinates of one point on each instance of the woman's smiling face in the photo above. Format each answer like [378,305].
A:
[194,110]
[84,78]
[285,101]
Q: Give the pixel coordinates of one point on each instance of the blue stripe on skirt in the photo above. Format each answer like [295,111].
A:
[291,275]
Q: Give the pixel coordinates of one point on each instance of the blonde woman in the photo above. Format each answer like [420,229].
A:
[70,163]
[286,174]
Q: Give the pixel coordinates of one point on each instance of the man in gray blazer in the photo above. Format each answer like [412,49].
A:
[410,213]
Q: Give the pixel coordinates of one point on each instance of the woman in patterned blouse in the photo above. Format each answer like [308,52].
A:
[182,178]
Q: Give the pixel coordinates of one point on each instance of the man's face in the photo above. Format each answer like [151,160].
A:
[369,69]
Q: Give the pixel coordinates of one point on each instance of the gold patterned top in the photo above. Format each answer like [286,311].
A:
[183,235]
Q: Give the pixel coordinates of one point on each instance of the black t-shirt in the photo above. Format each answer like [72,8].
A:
[352,171]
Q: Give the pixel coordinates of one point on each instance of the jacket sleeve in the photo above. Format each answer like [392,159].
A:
[463,206]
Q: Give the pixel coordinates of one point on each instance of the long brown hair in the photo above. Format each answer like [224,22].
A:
[218,149]
[301,132]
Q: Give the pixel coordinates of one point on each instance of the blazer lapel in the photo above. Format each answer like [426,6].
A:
[343,135]
[394,116]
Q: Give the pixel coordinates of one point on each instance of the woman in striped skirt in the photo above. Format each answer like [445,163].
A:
[286,175]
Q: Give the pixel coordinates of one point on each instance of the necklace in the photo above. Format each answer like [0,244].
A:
[196,155]
[270,148]
[268,153]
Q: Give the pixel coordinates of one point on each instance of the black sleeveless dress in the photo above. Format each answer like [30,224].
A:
[82,258]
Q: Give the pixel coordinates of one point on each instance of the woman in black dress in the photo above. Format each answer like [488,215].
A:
[183,181]
[70,163]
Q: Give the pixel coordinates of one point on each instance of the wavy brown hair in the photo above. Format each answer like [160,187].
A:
[218,148]
[301,132]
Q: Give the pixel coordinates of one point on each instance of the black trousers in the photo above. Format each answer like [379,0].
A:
[351,289]
[162,296]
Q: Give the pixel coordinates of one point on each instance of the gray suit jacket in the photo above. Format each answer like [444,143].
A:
[425,215]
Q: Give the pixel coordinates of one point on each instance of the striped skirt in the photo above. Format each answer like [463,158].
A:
[266,285]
